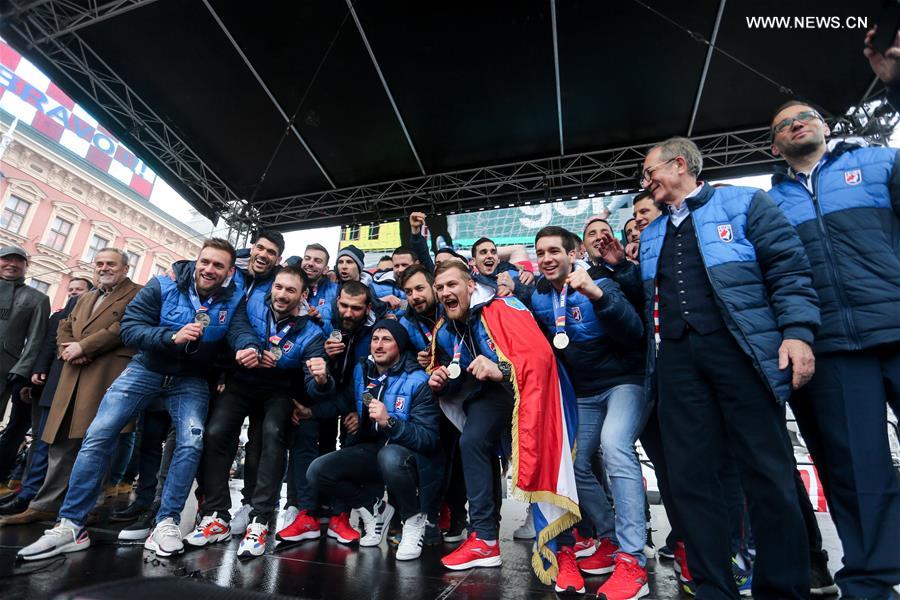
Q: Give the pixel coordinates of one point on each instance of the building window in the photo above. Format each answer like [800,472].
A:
[158,270]
[133,260]
[97,244]
[14,214]
[41,286]
[353,233]
[374,230]
[59,233]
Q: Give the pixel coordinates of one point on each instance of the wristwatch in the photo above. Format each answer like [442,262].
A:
[391,422]
[506,370]
[174,337]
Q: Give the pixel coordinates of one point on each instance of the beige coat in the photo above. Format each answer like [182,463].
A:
[98,335]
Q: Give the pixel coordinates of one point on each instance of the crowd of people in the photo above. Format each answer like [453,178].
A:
[402,395]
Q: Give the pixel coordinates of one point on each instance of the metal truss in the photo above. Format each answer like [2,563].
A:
[502,186]
[49,28]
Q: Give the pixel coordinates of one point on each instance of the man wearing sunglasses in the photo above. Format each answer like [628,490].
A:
[844,202]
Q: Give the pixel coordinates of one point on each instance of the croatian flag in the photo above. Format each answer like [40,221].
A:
[545,420]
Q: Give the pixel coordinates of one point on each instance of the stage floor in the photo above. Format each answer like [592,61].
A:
[312,569]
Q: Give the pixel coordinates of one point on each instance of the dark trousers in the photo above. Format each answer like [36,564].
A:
[486,420]
[711,401]
[453,484]
[842,414]
[38,455]
[222,432]
[304,450]
[355,476]
[252,453]
[651,441]
[154,429]
[12,437]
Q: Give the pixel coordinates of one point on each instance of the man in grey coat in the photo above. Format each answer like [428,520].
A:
[23,321]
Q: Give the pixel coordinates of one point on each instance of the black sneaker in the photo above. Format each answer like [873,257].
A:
[665,552]
[433,535]
[141,528]
[131,512]
[457,531]
[821,583]
[13,505]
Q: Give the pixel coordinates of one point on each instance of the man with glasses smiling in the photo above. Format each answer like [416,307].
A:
[844,202]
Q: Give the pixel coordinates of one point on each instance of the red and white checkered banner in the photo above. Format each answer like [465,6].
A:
[28,94]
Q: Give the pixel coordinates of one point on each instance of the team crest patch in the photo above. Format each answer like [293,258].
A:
[853,177]
[321,301]
[399,402]
[287,346]
[575,313]
[725,232]
[223,316]
[491,345]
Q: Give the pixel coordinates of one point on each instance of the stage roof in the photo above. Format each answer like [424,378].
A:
[326,112]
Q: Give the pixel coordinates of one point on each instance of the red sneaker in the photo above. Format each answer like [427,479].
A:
[304,527]
[681,567]
[569,580]
[602,561]
[473,553]
[444,518]
[628,581]
[584,546]
[339,528]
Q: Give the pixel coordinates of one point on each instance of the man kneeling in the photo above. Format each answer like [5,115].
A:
[392,442]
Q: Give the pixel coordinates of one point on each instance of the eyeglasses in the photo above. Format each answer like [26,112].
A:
[805,116]
[646,173]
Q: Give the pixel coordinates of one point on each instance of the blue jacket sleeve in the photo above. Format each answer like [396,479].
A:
[785,268]
[628,276]
[895,184]
[420,432]
[618,316]
[240,333]
[419,245]
[316,349]
[140,324]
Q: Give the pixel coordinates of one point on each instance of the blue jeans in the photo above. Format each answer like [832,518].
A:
[37,468]
[186,399]
[612,421]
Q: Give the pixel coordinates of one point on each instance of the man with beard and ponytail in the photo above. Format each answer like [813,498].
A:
[293,360]
[178,327]
[598,336]
[493,369]
[844,202]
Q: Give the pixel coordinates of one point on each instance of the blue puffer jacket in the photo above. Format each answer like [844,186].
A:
[851,230]
[606,342]
[163,307]
[419,328]
[322,297]
[384,284]
[759,273]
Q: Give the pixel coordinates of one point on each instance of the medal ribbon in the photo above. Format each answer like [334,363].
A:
[275,340]
[559,309]
[457,355]
[195,300]
[376,382]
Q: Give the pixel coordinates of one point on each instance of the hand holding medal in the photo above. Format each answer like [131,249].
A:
[189,333]
[334,345]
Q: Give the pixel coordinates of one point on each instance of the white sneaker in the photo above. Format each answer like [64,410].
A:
[286,517]
[165,540]
[375,522]
[526,531]
[254,542]
[413,535]
[66,536]
[240,519]
[209,530]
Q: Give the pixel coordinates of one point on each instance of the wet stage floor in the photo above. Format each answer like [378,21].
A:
[312,569]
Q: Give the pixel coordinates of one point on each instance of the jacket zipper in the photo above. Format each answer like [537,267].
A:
[829,263]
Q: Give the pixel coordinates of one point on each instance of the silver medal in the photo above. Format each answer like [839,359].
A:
[202,318]
[277,352]
[454,370]
[336,335]
[561,340]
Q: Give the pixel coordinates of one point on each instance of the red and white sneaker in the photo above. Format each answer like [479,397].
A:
[685,579]
[473,553]
[602,561]
[568,580]
[584,546]
[628,581]
[254,542]
[340,529]
[303,527]
[209,530]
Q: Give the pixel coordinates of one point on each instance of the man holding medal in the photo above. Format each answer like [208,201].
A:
[293,346]
[178,327]
[598,335]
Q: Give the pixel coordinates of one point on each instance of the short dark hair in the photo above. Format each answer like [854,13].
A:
[566,237]
[220,244]
[385,257]
[90,284]
[296,271]
[480,241]
[355,288]
[593,220]
[453,264]
[320,248]
[415,270]
[273,236]
[405,250]
[644,195]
